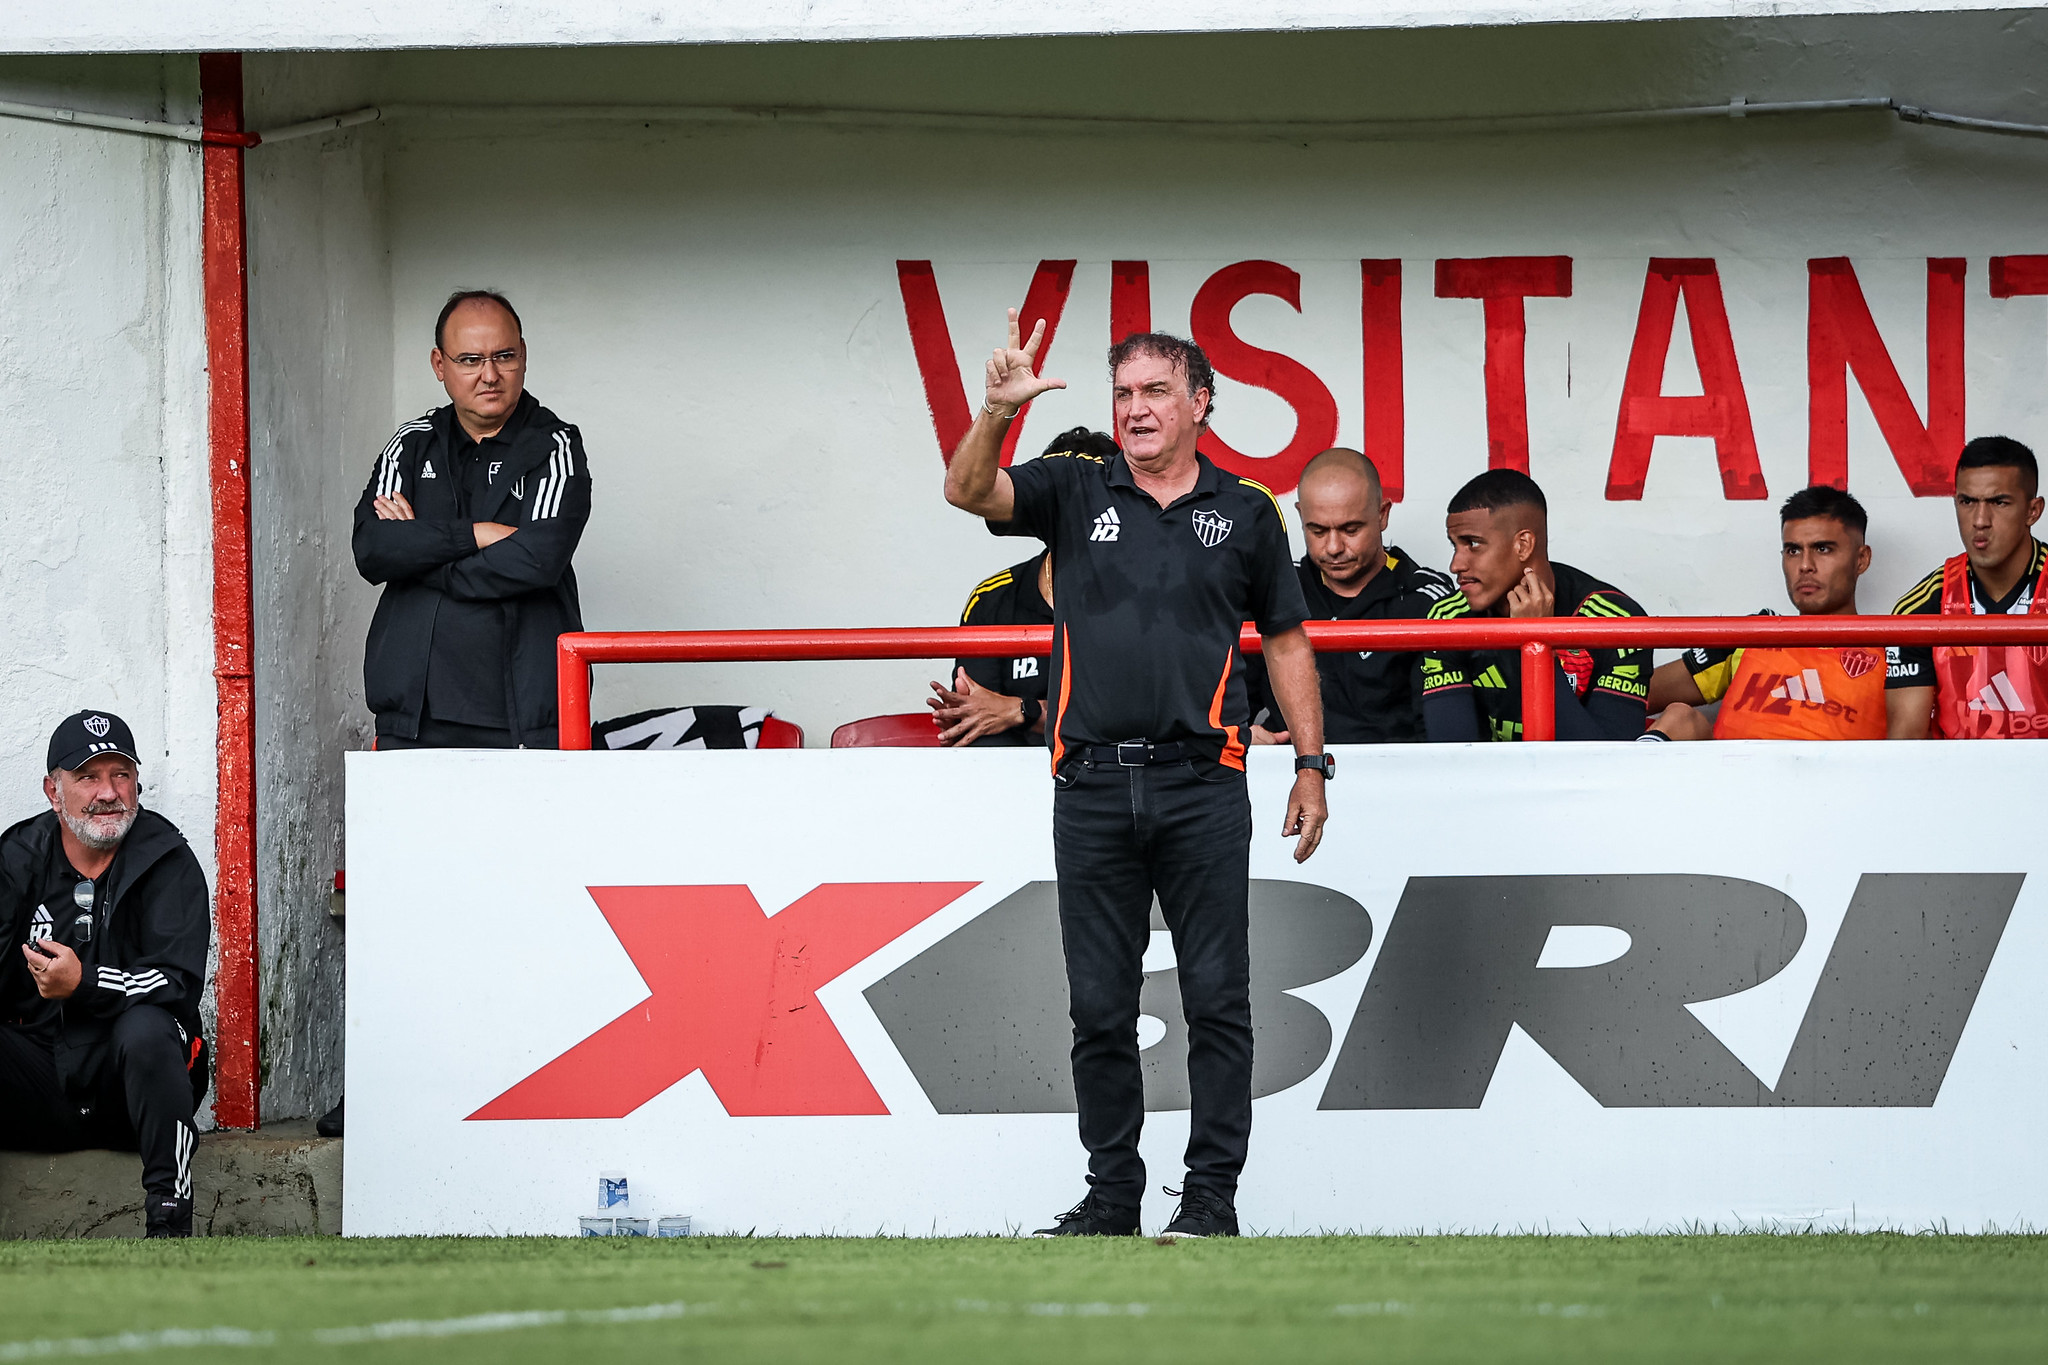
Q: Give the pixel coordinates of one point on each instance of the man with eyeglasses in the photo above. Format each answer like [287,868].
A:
[470,520]
[105,913]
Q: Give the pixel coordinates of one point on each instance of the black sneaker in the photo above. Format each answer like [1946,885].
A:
[166,1216]
[1202,1213]
[330,1122]
[1094,1217]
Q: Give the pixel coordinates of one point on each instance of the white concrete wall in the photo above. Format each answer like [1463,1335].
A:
[718,306]
[320,342]
[105,531]
[243,25]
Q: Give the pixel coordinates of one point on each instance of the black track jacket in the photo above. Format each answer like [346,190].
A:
[147,948]
[432,564]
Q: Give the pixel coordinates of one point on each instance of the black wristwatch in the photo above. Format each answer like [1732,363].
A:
[1321,763]
[1030,708]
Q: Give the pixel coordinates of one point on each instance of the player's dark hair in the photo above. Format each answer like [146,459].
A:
[1082,441]
[1184,356]
[1497,490]
[2001,452]
[1822,500]
[462,296]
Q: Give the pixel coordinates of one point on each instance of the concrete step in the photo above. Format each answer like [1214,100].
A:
[278,1180]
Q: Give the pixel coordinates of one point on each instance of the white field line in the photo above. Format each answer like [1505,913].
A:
[131,1343]
[125,1343]
[499,1322]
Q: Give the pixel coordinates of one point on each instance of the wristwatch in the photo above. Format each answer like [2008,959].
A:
[1321,763]
[1029,709]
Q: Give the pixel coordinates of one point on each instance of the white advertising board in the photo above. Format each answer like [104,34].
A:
[1542,987]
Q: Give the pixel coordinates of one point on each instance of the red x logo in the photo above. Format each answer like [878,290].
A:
[735,996]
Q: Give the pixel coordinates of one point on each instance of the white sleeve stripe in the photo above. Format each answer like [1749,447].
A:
[389,479]
[547,493]
[565,462]
[140,983]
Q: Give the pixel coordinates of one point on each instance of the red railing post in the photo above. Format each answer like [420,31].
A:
[572,693]
[225,277]
[1539,691]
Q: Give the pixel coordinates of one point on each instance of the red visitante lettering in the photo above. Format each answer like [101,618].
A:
[1721,411]
[1503,282]
[932,342]
[1842,339]
[1315,411]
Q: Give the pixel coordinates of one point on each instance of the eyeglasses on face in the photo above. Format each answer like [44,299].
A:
[469,362]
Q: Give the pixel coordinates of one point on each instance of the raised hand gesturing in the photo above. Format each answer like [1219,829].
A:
[1013,380]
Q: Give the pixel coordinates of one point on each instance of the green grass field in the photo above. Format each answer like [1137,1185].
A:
[1863,1298]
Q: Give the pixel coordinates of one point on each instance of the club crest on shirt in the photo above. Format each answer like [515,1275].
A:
[1856,662]
[1210,528]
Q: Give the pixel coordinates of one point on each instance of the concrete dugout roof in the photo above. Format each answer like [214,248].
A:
[82,26]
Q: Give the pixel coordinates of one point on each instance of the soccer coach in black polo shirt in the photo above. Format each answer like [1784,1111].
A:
[1158,560]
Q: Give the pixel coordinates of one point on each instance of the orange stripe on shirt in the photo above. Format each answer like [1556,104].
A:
[1059,747]
[1233,750]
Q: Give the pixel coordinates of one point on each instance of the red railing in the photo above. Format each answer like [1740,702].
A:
[1539,640]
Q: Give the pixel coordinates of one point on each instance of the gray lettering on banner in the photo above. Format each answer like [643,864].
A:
[1300,934]
[1458,970]
[1898,988]
[981,1016]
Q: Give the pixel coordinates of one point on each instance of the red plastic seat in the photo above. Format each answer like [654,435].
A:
[908,730]
[777,733]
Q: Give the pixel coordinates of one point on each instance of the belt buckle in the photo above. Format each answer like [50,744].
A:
[1144,748]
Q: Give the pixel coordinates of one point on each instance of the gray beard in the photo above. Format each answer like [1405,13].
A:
[81,827]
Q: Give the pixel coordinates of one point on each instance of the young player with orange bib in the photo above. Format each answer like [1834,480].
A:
[1997,691]
[1816,692]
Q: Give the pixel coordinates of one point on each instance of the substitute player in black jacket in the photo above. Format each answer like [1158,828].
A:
[104,908]
[469,521]
[1349,574]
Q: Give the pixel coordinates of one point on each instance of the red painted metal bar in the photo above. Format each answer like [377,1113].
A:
[1539,638]
[224,248]
[1539,691]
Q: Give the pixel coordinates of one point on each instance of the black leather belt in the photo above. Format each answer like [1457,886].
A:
[1136,753]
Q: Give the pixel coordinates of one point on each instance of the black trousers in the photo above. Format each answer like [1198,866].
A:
[140,1101]
[1120,835]
[447,734]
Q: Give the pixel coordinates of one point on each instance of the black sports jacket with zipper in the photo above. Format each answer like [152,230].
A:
[432,564]
[146,946]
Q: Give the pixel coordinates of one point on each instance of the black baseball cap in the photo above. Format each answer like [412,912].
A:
[83,737]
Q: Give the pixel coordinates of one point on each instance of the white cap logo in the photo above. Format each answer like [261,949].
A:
[98,726]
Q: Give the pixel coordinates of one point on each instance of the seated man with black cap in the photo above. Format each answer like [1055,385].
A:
[106,912]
